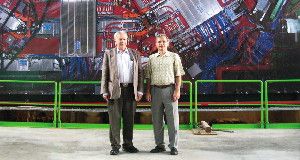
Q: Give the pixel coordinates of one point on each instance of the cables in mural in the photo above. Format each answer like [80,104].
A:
[27,24]
[220,41]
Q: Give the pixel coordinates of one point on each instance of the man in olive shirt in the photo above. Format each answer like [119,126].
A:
[163,74]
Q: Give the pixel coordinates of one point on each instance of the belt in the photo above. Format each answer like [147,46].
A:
[126,84]
[163,86]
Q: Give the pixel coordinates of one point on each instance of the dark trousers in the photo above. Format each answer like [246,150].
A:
[124,108]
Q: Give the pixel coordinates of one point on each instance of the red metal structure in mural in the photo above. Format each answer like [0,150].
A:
[212,37]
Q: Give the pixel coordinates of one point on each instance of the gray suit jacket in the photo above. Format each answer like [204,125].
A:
[110,82]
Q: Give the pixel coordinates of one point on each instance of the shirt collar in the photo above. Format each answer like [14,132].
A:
[167,54]
[125,51]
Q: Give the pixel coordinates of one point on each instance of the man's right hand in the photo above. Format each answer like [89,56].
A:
[148,96]
[106,97]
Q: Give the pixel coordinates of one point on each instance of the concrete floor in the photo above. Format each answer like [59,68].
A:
[92,144]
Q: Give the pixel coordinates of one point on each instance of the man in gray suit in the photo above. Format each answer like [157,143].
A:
[163,74]
[122,87]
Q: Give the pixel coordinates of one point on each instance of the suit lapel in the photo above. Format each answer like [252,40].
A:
[132,55]
[114,62]
[133,58]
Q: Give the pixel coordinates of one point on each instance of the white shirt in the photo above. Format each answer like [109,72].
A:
[125,66]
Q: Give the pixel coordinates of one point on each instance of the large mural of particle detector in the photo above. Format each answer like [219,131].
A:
[29,35]
[208,35]
[202,32]
[218,36]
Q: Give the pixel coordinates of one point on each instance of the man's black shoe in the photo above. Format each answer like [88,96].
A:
[173,151]
[130,149]
[114,152]
[158,149]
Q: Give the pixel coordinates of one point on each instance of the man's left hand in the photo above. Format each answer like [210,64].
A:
[139,97]
[176,95]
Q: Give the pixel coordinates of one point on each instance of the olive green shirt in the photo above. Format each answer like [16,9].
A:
[162,70]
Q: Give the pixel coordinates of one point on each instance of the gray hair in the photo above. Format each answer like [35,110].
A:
[116,35]
[162,35]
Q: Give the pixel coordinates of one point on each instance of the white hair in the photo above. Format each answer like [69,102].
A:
[116,35]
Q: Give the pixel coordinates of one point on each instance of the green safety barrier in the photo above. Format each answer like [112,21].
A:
[58,103]
[268,104]
[191,102]
[260,125]
[136,126]
[18,103]
[86,104]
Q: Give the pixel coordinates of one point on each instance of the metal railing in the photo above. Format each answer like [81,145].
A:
[261,124]
[263,105]
[277,104]
[34,104]
[81,104]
